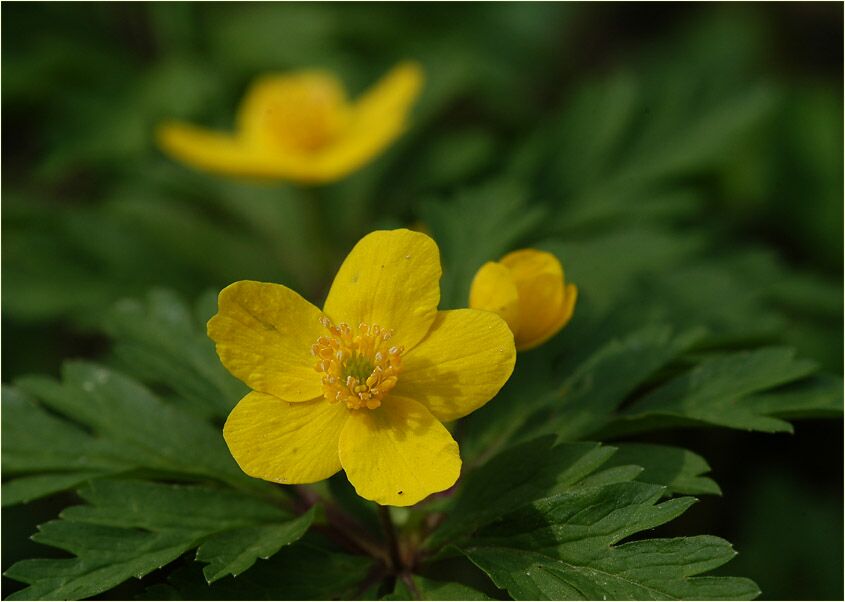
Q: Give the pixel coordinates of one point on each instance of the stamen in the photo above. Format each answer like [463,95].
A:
[358,367]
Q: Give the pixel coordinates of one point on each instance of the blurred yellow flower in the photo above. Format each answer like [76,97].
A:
[528,290]
[301,127]
[364,384]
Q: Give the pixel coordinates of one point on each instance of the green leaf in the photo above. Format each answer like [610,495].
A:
[117,425]
[26,489]
[564,547]
[60,446]
[142,426]
[161,342]
[310,569]
[657,570]
[233,552]
[131,528]
[817,397]
[421,588]
[590,396]
[715,392]
[680,470]
[517,475]
[620,137]
[477,226]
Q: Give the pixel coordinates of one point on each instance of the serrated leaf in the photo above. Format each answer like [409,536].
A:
[588,398]
[60,445]
[232,552]
[514,477]
[309,569]
[130,528]
[715,391]
[816,397]
[161,342]
[680,470]
[657,573]
[26,489]
[130,424]
[564,547]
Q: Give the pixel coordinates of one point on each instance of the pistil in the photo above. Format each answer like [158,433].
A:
[359,366]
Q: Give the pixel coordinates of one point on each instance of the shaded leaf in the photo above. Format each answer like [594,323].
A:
[233,552]
[131,528]
[564,547]
[161,342]
[715,391]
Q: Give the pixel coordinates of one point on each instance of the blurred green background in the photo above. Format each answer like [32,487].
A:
[689,154]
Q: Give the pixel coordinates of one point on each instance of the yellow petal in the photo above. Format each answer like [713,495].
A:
[538,276]
[377,119]
[300,127]
[285,442]
[398,454]
[562,317]
[212,151]
[390,278]
[264,333]
[466,358]
[393,96]
[293,113]
[493,289]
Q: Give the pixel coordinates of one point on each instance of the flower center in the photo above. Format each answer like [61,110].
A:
[359,367]
[305,115]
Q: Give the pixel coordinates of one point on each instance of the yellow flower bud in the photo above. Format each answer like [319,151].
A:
[527,289]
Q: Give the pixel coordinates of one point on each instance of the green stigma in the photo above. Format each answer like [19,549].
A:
[358,367]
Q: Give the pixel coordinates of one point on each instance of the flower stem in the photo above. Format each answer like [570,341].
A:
[340,526]
[390,534]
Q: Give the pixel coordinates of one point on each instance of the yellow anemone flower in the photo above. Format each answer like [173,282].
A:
[300,127]
[364,384]
[528,290]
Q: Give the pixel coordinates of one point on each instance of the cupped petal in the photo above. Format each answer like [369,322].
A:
[285,442]
[493,289]
[538,276]
[399,453]
[562,317]
[264,333]
[390,278]
[293,112]
[466,358]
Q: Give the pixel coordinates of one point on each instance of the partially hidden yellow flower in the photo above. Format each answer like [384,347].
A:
[528,290]
[364,384]
[301,127]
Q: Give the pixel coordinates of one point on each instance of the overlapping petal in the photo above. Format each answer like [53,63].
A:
[539,278]
[560,316]
[493,289]
[264,334]
[390,278]
[285,442]
[465,359]
[399,454]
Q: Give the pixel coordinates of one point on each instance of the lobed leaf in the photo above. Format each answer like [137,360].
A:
[160,341]
[130,528]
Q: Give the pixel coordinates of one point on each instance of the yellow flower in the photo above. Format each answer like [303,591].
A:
[300,127]
[527,289]
[364,384]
